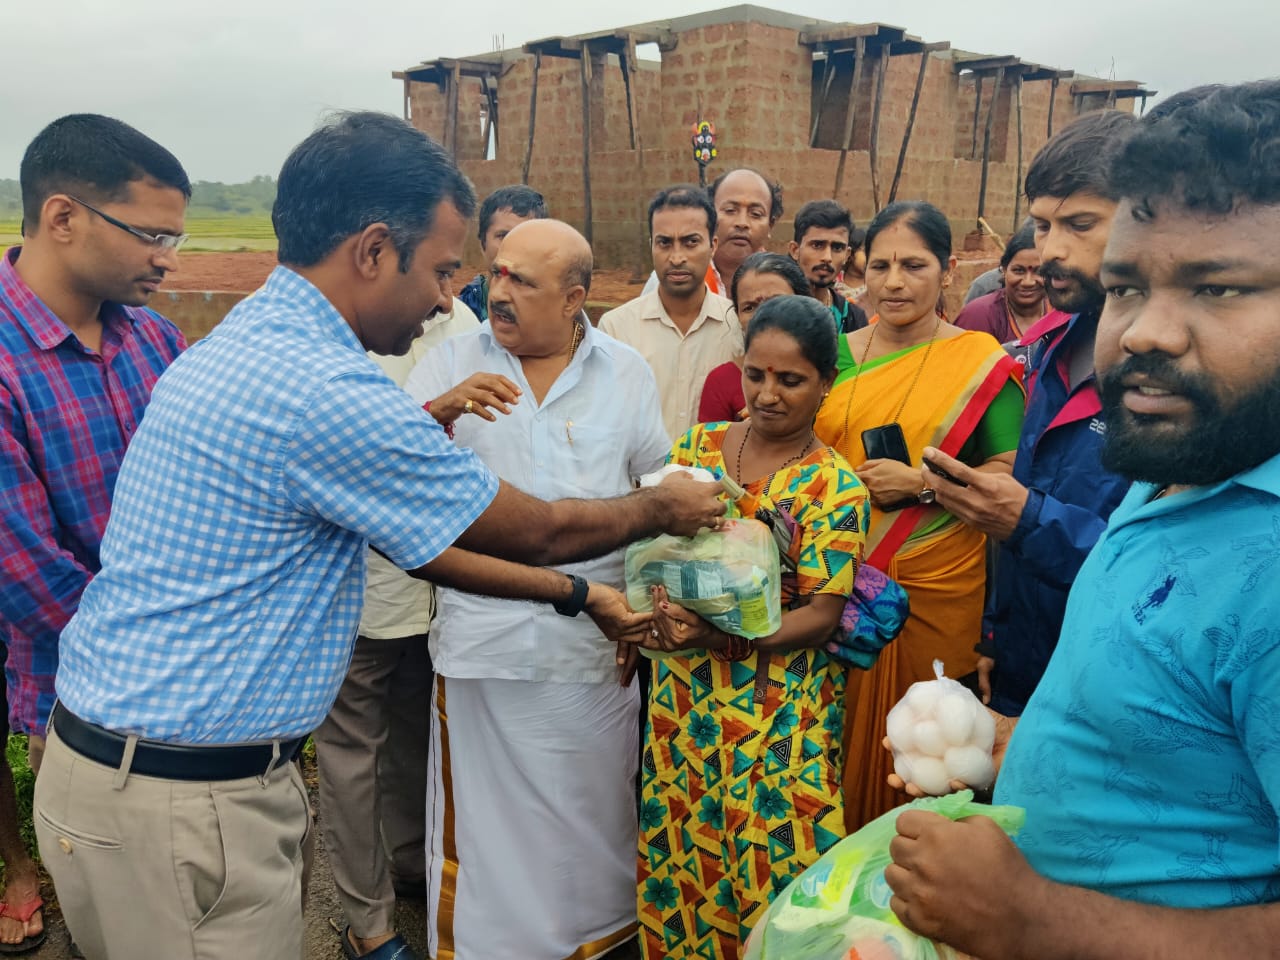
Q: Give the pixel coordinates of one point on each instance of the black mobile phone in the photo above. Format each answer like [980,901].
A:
[886,443]
[942,473]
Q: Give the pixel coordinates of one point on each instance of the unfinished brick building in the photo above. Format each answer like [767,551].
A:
[598,130]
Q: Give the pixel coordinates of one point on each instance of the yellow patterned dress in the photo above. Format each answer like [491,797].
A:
[741,767]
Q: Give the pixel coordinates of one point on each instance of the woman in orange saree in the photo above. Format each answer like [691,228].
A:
[908,381]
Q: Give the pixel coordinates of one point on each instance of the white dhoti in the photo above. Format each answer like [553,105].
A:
[531,819]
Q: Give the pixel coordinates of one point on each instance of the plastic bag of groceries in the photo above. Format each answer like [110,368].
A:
[838,909]
[728,576]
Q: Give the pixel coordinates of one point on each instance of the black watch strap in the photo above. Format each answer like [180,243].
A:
[572,606]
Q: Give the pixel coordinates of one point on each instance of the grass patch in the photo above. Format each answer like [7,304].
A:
[24,785]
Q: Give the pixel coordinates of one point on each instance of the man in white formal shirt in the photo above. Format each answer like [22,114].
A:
[532,837]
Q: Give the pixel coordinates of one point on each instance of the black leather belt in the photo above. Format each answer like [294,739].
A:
[170,761]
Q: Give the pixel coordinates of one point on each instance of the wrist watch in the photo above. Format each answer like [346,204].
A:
[927,496]
[573,604]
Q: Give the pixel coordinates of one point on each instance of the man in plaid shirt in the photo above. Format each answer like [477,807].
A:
[103,209]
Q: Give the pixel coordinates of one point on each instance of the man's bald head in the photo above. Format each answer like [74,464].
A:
[538,287]
[561,245]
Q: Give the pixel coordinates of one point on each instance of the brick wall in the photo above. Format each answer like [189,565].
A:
[755,82]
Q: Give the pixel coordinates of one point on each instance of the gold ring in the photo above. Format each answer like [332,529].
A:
[466,407]
[654,633]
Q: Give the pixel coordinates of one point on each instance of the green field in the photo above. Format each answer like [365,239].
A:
[222,233]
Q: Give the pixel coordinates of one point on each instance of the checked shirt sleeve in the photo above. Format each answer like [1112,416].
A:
[40,582]
[368,459]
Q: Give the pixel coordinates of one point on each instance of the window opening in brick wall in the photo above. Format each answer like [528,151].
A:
[829,101]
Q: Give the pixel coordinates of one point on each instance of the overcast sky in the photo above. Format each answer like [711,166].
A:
[231,85]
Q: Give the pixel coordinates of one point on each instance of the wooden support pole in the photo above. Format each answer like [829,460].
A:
[533,116]
[911,122]
[492,97]
[451,114]
[1017,187]
[986,143]
[586,141]
[489,125]
[873,148]
[859,55]
[828,74]
[408,113]
[627,61]
[1053,96]
[977,112]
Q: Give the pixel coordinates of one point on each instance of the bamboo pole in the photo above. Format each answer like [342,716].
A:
[873,148]
[627,62]
[1017,187]
[586,141]
[533,116]
[859,54]
[911,122]
[986,142]
[977,112]
[455,85]
[1053,96]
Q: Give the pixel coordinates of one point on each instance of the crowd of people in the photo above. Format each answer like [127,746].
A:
[371,512]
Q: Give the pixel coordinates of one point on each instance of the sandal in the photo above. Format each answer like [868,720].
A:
[22,913]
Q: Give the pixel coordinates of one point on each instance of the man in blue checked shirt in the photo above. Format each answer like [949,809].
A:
[219,630]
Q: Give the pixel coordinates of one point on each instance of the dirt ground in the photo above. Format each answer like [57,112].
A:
[244,272]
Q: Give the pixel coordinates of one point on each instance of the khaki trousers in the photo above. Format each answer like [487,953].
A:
[372,756]
[151,869]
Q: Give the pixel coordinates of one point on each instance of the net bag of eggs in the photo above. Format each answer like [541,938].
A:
[941,732]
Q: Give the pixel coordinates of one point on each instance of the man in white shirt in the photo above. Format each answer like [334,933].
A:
[682,329]
[531,805]
[372,747]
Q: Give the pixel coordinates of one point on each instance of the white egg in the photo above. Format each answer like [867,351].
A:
[900,726]
[970,764]
[956,714]
[929,739]
[984,730]
[923,697]
[929,774]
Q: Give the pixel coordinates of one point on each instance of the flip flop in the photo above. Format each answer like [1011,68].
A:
[22,913]
[397,948]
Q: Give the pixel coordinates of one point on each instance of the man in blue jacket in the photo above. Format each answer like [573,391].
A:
[1050,512]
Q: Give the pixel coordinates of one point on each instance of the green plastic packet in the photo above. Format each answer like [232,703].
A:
[838,909]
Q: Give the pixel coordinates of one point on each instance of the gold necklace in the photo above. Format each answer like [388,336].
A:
[576,339]
[853,387]
[790,460]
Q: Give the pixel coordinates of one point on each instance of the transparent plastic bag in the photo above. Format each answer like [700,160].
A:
[838,909]
[939,732]
[729,576]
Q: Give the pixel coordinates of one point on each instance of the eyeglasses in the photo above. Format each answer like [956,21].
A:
[161,241]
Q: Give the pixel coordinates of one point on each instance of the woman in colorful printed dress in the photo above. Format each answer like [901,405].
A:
[741,767]
[907,381]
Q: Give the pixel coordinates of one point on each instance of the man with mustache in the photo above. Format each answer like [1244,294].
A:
[103,210]
[531,800]
[1148,760]
[822,248]
[1051,511]
[682,329]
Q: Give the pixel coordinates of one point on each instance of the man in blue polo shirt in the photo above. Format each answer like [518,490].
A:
[1148,760]
[219,630]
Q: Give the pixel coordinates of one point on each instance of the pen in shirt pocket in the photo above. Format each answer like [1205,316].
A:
[568,431]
